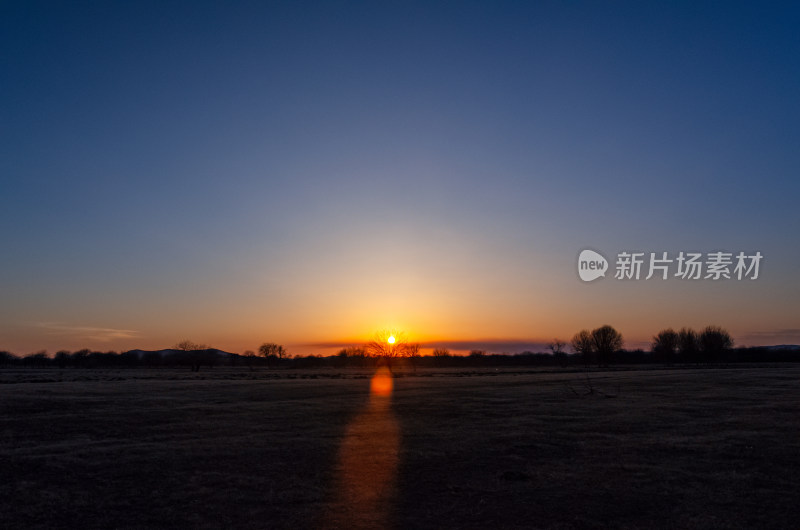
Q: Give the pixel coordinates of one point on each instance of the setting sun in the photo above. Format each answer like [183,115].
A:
[566,229]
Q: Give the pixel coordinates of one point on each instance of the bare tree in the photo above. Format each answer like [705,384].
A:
[715,342]
[7,358]
[39,359]
[193,360]
[249,357]
[440,356]
[187,345]
[351,355]
[62,358]
[271,351]
[583,344]
[602,341]
[353,351]
[386,344]
[556,347]
[665,344]
[413,354]
[688,344]
[607,340]
[389,344]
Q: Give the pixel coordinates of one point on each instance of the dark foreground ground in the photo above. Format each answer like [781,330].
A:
[681,448]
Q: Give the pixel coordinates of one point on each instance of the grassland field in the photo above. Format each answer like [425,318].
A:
[680,447]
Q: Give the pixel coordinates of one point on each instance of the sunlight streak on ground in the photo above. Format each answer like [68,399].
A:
[364,489]
[381,383]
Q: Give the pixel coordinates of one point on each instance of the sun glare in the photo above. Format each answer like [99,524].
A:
[390,340]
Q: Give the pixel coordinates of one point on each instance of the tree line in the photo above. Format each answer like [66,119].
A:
[602,346]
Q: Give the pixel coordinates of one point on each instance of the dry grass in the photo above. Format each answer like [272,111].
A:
[708,448]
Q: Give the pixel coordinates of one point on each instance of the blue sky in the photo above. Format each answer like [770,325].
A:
[310,172]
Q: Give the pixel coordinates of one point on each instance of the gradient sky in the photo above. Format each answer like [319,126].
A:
[309,173]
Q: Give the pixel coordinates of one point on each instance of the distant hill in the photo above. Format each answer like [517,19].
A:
[171,351]
[193,358]
[783,347]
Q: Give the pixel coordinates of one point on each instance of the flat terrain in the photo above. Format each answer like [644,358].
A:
[224,448]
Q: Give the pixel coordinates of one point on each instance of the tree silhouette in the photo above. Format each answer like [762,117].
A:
[607,340]
[351,355]
[583,344]
[39,359]
[664,345]
[249,357]
[353,351]
[714,343]
[556,347]
[688,344]
[79,357]
[413,354]
[7,358]
[271,351]
[387,345]
[62,358]
[440,356]
[187,347]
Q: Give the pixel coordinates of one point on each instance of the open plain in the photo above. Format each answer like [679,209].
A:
[234,448]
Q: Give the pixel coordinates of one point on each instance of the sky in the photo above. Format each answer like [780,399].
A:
[308,173]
